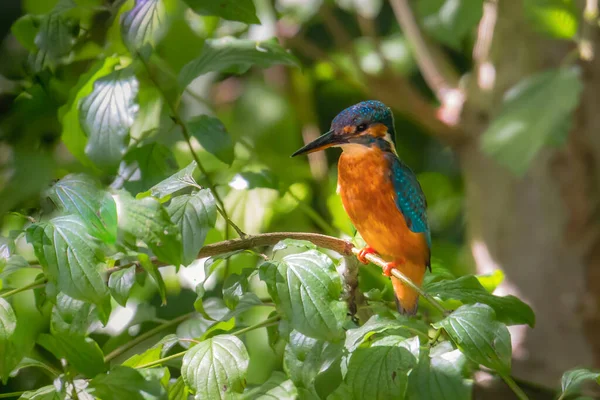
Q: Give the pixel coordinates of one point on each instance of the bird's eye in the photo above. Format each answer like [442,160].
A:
[361,127]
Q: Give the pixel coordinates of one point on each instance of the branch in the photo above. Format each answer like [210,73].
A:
[436,70]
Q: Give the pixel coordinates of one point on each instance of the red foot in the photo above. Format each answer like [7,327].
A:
[363,252]
[387,271]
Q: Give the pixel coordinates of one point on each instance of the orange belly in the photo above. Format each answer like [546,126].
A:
[368,198]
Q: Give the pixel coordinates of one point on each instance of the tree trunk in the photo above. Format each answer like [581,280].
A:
[542,229]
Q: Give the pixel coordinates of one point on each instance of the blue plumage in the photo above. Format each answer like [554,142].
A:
[410,198]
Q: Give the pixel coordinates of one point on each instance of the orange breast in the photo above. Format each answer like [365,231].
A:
[368,197]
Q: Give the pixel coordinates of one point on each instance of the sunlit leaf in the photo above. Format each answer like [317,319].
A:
[80,195]
[194,214]
[235,10]
[147,220]
[82,353]
[476,332]
[73,135]
[307,288]
[44,393]
[556,18]
[375,324]
[381,371]
[438,375]
[213,137]
[126,383]
[107,114]
[70,260]
[152,354]
[236,56]
[277,387]
[572,380]
[120,283]
[144,23]
[227,359]
[149,165]
[10,352]
[534,112]
[175,182]
[468,290]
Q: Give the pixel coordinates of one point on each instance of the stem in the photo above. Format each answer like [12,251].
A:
[186,134]
[435,337]
[33,285]
[11,394]
[379,262]
[263,324]
[146,335]
[514,387]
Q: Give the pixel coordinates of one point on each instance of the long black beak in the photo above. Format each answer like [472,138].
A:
[321,143]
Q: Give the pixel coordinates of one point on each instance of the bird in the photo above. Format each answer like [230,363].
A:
[380,194]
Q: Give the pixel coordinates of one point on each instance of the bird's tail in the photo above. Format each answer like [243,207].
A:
[406,298]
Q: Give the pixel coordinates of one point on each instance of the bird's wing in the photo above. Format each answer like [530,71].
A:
[410,198]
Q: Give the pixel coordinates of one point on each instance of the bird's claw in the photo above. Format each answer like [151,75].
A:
[387,270]
[363,252]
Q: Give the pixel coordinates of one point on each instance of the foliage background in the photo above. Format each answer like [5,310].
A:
[343,52]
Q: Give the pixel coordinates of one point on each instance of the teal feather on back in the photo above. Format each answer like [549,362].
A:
[410,198]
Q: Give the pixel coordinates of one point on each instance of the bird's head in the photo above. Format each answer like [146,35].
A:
[368,123]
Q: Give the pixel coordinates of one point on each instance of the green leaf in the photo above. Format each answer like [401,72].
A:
[147,220]
[80,195]
[194,214]
[12,264]
[126,383]
[277,387]
[73,135]
[120,283]
[572,380]
[476,332]
[233,55]
[8,348]
[438,376]
[27,362]
[306,359]
[152,163]
[180,180]
[557,18]
[307,288]
[70,260]
[225,356]
[468,290]
[251,180]
[44,393]
[25,30]
[534,112]
[144,23]
[178,390]
[375,324]
[450,21]
[235,287]
[152,354]
[152,270]
[71,316]
[213,137]
[380,371]
[235,10]
[107,114]
[55,36]
[82,353]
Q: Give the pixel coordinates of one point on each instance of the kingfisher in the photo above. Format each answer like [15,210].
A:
[380,194]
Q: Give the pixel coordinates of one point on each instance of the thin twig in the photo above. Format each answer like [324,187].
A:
[263,324]
[33,285]
[146,335]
